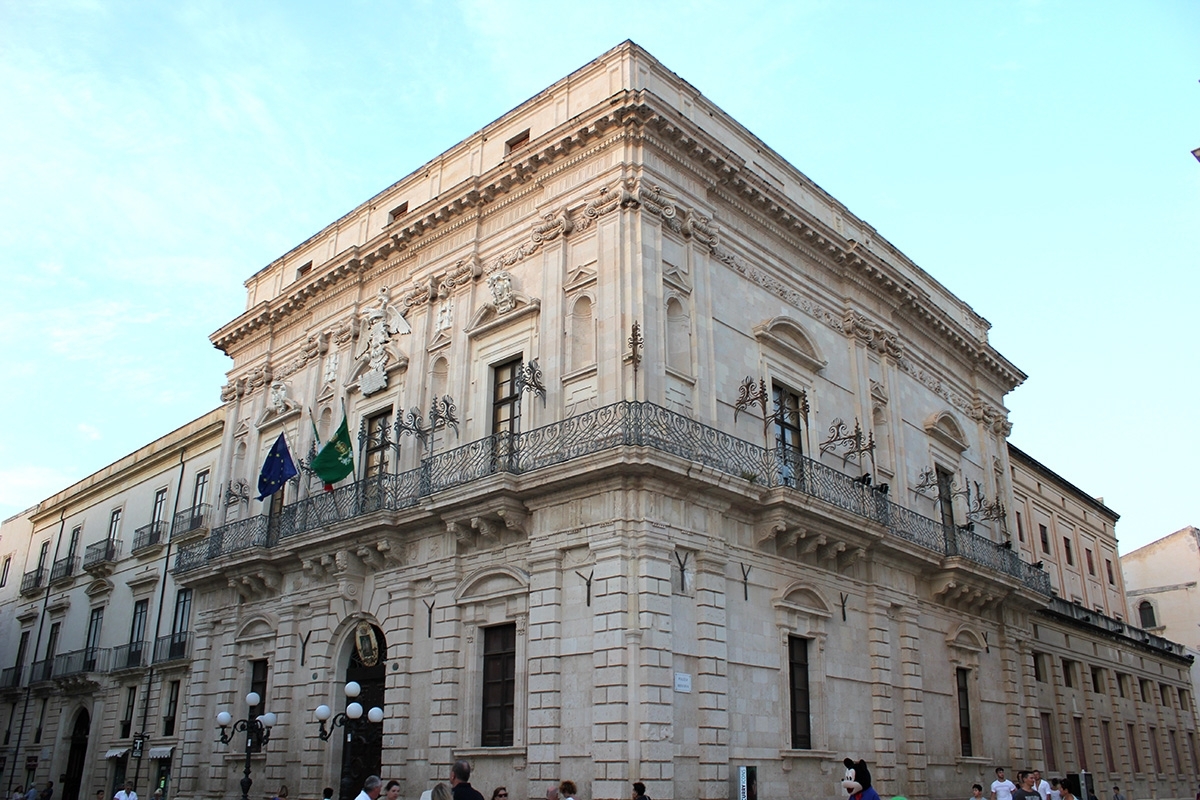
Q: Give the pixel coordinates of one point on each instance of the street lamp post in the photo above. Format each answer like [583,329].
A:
[258,733]
[347,718]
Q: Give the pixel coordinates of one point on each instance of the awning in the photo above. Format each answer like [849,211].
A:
[161,752]
[116,752]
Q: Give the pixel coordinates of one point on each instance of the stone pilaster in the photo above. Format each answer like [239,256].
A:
[614,682]
[543,657]
[712,680]
[879,650]
[912,691]
[1012,665]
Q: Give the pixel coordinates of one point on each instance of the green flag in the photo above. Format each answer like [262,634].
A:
[336,459]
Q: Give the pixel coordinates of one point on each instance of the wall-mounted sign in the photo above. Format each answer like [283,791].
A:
[683,682]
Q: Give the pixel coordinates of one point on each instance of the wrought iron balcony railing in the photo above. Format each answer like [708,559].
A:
[625,424]
[191,519]
[41,670]
[173,647]
[64,568]
[129,656]
[33,581]
[105,552]
[90,659]
[149,535]
[10,677]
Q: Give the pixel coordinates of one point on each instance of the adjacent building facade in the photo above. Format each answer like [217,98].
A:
[1160,580]
[97,647]
[666,466]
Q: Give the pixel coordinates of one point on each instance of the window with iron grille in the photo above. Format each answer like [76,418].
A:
[945,484]
[789,442]
[258,684]
[798,689]
[499,685]
[962,675]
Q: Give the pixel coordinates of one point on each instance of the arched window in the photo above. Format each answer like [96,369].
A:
[1146,612]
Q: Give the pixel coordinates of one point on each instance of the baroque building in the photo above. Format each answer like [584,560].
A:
[96,651]
[666,465]
[1161,586]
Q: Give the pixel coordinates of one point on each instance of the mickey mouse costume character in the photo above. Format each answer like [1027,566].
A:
[857,781]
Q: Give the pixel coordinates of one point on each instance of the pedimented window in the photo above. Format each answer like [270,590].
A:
[788,337]
[945,429]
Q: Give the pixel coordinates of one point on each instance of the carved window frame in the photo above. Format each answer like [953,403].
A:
[801,611]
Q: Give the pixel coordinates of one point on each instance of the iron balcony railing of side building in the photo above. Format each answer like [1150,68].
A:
[10,677]
[104,552]
[41,670]
[149,535]
[64,568]
[191,519]
[33,581]
[129,656]
[90,659]
[625,424]
[173,647]
[1099,619]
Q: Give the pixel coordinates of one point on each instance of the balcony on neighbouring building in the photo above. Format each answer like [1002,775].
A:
[149,536]
[64,569]
[173,647]
[41,670]
[34,581]
[191,520]
[129,656]
[77,662]
[1096,619]
[10,677]
[101,557]
[648,428]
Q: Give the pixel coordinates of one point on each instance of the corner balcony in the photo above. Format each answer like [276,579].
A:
[784,483]
[101,558]
[64,569]
[34,581]
[149,536]
[191,521]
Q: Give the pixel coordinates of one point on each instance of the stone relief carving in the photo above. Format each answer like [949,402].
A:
[462,273]
[234,389]
[381,322]
[278,401]
[445,317]
[500,285]
[329,374]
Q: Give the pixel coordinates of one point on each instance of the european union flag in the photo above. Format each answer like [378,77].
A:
[276,470]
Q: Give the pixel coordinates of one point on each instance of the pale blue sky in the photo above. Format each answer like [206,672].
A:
[1032,156]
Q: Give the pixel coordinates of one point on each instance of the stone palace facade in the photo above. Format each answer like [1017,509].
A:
[666,464]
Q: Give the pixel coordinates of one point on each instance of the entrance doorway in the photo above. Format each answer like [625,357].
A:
[362,754]
[77,755]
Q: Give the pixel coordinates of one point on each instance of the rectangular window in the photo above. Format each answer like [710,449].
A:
[4,572]
[1131,741]
[1067,554]
[1039,669]
[506,397]
[22,649]
[95,623]
[137,627]
[1164,695]
[1048,743]
[52,646]
[1068,673]
[517,142]
[130,705]
[1080,744]
[945,482]
[73,546]
[798,683]
[964,710]
[398,212]
[1122,682]
[303,270]
[1144,685]
[1158,767]
[378,443]
[789,411]
[160,506]
[114,525]
[258,684]
[200,491]
[499,685]
[1191,737]
[1020,528]
[43,554]
[183,611]
[168,728]
[1098,680]
[1045,534]
[1172,739]
[1183,700]
[1112,581]
[1106,735]
[1091,563]
[37,734]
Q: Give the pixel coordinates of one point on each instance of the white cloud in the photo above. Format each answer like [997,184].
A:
[89,431]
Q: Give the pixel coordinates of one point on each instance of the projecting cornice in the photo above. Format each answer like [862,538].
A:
[642,116]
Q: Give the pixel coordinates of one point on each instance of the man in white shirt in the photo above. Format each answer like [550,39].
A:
[1002,789]
[372,786]
[127,793]
[1042,786]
